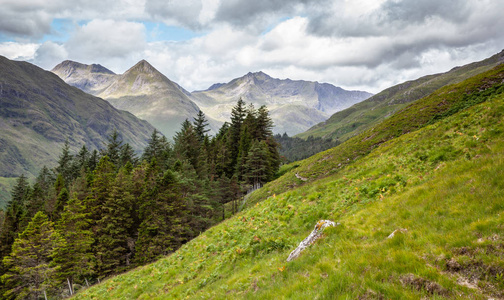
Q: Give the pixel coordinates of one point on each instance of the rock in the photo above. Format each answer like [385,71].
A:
[402,230]
[301,177]
[314,235]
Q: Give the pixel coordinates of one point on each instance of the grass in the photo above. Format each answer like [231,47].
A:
[366,114]
[441,184]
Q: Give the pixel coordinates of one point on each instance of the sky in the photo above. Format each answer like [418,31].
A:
[355,44]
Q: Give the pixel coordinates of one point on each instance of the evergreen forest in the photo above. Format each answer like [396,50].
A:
[99,213]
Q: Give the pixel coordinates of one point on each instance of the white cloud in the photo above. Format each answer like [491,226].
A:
[50,54]
[18,51]
[356,44]
[107,39]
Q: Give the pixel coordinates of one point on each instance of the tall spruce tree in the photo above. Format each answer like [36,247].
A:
[73,254]
[29,264]
[15,218]
[113,246]
[238,114]
[200,124]
[187,145]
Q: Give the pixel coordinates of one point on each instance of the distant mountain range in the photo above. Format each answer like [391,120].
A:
[39,111]
[141,90]
[366,114]
[295,105]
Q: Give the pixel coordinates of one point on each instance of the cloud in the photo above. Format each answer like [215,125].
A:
[102,39]
[18,51]
[49,54]
[357,44]
[174,12]
[16,22]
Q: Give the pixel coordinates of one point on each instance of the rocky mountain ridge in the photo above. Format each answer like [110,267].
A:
[295,105]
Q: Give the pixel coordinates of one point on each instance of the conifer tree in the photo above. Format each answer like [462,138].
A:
[127,155]
[113,148]
[30,272]
[43,190]
[73,254]
[256,165]
[187,145]
[15,217]
[65,167]
[61,201]
[238,114]
[158,148]
[200,124]
[113,246]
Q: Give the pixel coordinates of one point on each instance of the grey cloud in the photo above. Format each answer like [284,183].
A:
[24,24]
[184,12]
[244,12]
[409,11]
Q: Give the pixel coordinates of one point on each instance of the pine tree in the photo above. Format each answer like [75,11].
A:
[65,167]
[30,272]
[15,217]
[61,201]
[256,165]
[113,148]
[158,148]
[187,145]
[127,155]
[200,126]
[43,190]
[238,114]
[264,124]
[113,245]
[73,254]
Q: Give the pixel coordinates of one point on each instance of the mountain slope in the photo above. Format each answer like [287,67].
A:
[289,99]
[361,116]
[438,185]
[141,90]
[39,111]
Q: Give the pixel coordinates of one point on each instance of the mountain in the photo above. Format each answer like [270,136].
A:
[296,105]
[419,202]
[361,116]
[92,79]
[39,111]
[141,90]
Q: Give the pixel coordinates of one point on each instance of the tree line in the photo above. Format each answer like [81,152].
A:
[99,213]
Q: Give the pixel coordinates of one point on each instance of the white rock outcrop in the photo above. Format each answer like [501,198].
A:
[314,235]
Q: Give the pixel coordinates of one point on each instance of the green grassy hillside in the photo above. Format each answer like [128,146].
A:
[434,171]
[361,116]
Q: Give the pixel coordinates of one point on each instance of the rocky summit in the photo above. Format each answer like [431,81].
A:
[141,90]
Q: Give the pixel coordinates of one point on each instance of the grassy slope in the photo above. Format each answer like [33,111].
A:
[362,116]
[442,183]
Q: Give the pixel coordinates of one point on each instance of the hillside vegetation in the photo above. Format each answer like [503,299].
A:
[361,116]
[433,172]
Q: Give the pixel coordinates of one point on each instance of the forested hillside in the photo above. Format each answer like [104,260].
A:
[101,213]
[431,175]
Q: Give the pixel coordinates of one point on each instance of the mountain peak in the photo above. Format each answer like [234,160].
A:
[142,66]
[70,66]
